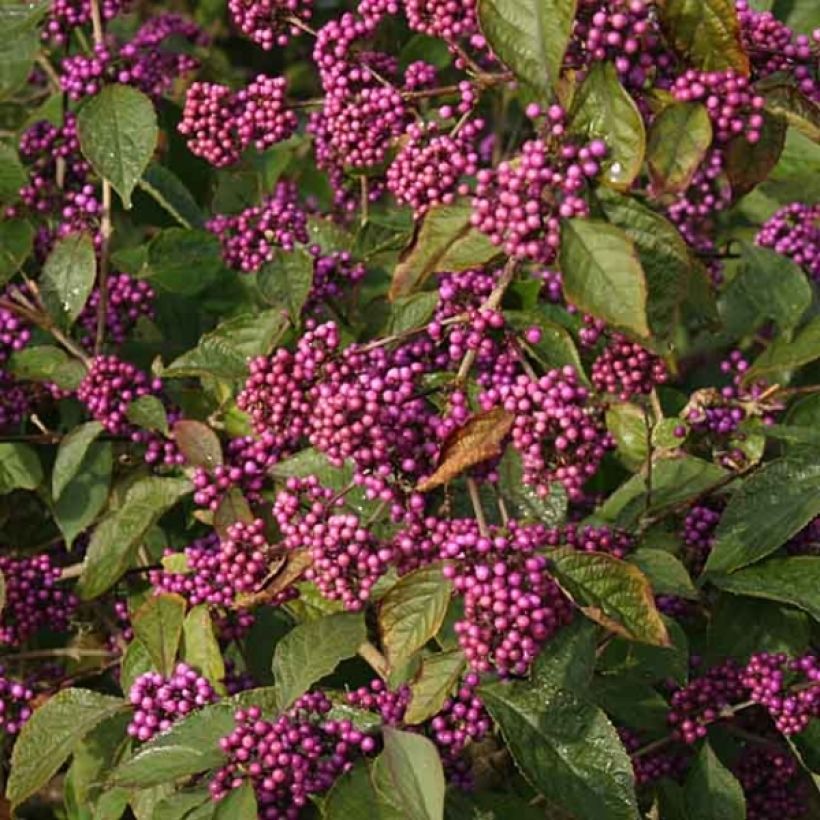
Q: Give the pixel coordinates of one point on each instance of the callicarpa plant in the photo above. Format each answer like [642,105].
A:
[410,409]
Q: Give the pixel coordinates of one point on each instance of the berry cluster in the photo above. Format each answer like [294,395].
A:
[65,15]
[770,777]
[15,704]
[160,701]
[270,23]
[653,766]
[625,369]
[591,538]
[128,300]
[699,533]
[794,231]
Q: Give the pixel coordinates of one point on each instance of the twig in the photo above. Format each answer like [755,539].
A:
[102,278]
[377,661]
[96,23]
[75,653]
[475,499]
[649,466]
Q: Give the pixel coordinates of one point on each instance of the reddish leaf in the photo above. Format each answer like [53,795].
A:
[198,443]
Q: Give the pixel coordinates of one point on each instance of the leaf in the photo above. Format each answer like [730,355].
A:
[412,612]
[788,580]
[602,274]
[664,257]
[611,592]
[631,703]
[555,347]
[712,792]
[444,241]
[198,443]
[783,354]
[529,36]
[354,796]
[16,242]
[16,18]
[476,441]
[40,363]
[628,426]
[602,109]
[116,539]
[186,805]
[189,747]
[678,141]
[201,649]
[768,508]
[768,286]
[50,735]
[184,260]
[17,54]
[165,187]
[565,747]
[410,775]
[567,660]
[158,626]
[68,278]
[238,804]
[287,280]
[433,684]
[70,455]
[19,467]
[135,662]
[786,101]
[314,649]
[550,509]
[85,496]
[12,174]
[748,164]
[118,133]
[666,573]
[232,508]
[411,312]
[148,412]
[706,33]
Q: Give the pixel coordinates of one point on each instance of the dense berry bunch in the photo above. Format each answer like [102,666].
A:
[34,599]
[794,231]
[699,533]
[161,701]
[652,766]
[512,605]
[65,15]
[270,23]
[15,334]
[560,435]
[429,168]
[128,300]
[771,784]
[109,388]
[591,538]
[15,704]
[287,760]
[250,239]
[520,204]
[16,399]
[448,19]
[334,277]
[626,369]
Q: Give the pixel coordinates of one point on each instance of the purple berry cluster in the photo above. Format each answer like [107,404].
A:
[559,433]
[15,704]
[807,541]
[65,15]
[128,300]
[626,369]
[770,777]
[794,231]
[108,389]
[34,599]
[16,400]
[653,766]
[512,605]
[299,754]
[15,334]
[699,533]
[591,538]
[520,203]
[220,124]
[334,276]
[270,23]
[447,19]
[161,701]
[250,239]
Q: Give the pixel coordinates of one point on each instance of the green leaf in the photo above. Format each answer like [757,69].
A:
[664,256]
[17,54]
[565,747]
[550,509]
[433,684]
[706,33]
[409,776]
[602,109]
[443,242]
[314,649]
[70,455]
[602,274]
[712,792]
[529,36]
[39,364]
[783,354]
[628,426]
[768,286]
[238,804]
[770,507]
[631,703]
[611,592]
[678,140]
[16,242]
[555,347]
[19,468]
[748,164]
[158,626]
[50,735]
[12,174]
[666,573]
[135,662]
[165,187]
[354,796]
[198,443]
[148,412]
[201,649]
[86,494]
[190,746]
[186,805]
[118,536]
[567,660]
[411,312]
[118,133]
[184,260]
[20,17]
[412,612]
[287,280]
[68,278]
[784,100]
[788,580]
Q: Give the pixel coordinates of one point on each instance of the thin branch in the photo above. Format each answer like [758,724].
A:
[377,661]
[475,499]
[102,277]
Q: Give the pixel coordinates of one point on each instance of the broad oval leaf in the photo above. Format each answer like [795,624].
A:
[70,455]
[149,413]
[183,260]
[201,648]
[238,804]
[287,280]
[786,354]
[433,684]
[16,242]
[678,140]
[20,468]
[712,791]
[198,443]
[157,625]
[118,133]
